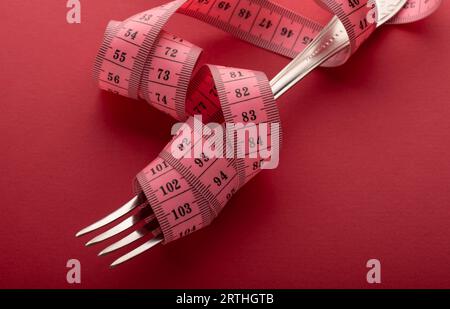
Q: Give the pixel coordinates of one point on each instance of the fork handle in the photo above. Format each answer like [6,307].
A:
[330,41]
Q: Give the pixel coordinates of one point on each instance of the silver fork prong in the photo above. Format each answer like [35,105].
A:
[132,204]
[141,249]
[146,229]
[145,212]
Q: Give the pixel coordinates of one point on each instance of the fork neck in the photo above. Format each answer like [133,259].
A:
[332,39]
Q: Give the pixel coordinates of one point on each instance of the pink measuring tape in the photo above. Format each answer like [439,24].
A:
[138,59]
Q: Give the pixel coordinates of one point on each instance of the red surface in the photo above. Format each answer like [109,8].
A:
[365,168]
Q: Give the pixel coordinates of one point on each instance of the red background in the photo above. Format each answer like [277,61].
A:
[365,168]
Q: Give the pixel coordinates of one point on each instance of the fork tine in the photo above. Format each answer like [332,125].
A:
[122,226]
[146,229]
[142,248]
[132,204]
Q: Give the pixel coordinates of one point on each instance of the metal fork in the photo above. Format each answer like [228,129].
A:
[331,41]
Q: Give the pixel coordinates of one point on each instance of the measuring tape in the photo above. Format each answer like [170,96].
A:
[138,59]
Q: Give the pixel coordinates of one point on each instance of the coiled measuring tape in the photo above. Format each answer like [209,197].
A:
[138,59]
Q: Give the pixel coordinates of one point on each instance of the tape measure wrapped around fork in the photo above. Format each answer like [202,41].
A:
[138,59]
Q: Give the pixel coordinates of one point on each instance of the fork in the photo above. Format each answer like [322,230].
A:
[332,43]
